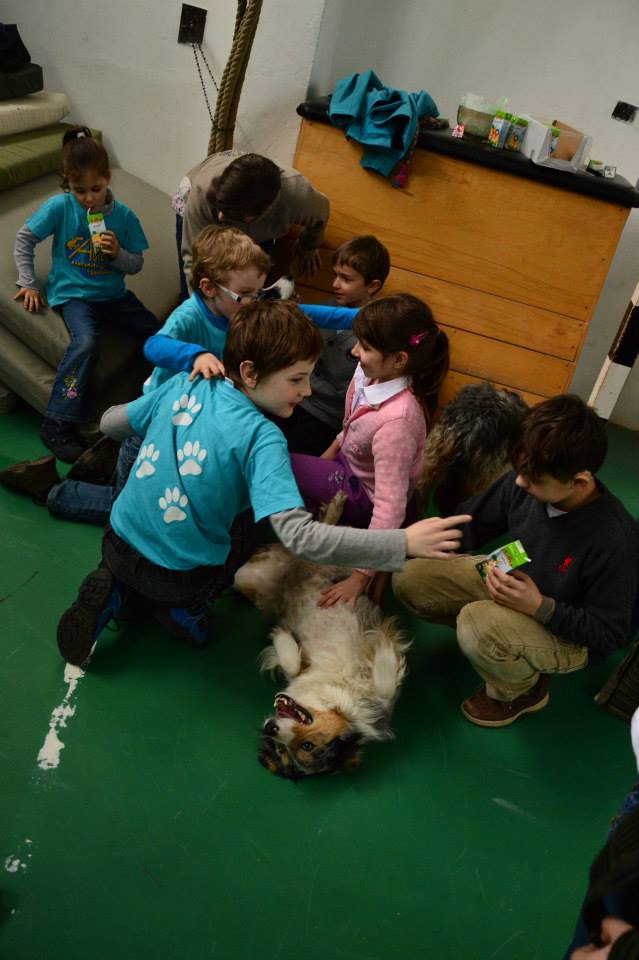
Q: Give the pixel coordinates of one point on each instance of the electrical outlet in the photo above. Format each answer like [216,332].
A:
[192,22]
[624,111]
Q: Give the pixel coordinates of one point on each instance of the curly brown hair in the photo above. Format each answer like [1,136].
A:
[219,250]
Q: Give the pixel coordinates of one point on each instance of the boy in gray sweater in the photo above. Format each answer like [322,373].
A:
[573,605]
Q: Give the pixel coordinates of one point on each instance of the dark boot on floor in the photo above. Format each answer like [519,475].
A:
[100,599]
[96,463]
[486,712]
[62,439]
[35,478]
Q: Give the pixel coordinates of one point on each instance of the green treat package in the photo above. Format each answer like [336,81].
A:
[506,558]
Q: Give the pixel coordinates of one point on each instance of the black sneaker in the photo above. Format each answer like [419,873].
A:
[99,600]
[62,439]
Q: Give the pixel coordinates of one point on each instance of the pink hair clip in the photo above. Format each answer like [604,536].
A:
[417,338]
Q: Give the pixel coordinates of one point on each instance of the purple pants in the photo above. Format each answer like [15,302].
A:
[319,481]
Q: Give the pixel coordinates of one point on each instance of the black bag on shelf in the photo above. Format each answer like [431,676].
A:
[13,53]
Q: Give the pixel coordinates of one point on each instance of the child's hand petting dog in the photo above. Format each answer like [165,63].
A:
[436,538]
[208,365]
[513,590]
[348,590]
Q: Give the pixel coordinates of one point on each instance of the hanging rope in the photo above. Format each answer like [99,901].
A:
[223,127]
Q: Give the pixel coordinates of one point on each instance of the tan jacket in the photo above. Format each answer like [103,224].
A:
[298,203]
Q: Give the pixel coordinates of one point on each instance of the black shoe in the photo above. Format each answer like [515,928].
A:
[62,440]
[33,477]
[96,463]
[99,600]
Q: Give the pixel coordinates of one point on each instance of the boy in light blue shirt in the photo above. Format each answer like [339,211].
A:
[208,454]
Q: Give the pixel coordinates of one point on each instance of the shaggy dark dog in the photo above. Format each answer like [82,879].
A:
[466,450]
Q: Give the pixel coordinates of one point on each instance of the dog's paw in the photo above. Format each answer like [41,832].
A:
[287,651]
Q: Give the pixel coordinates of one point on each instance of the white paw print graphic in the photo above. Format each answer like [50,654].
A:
[185,410]
[191,457]
[146,461]
[172,504]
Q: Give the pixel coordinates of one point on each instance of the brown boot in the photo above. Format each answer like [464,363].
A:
[486,712]
[96,463]
[33,477]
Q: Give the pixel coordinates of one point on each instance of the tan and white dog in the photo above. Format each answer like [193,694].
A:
[344,667]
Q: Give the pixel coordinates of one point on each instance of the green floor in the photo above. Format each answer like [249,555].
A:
[159,836]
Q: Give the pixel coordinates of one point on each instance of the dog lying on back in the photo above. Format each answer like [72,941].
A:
[344,667]
[467,449]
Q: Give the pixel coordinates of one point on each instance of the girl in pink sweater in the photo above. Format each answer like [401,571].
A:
[377,458]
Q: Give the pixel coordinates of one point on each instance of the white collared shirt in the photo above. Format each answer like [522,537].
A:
[372,394]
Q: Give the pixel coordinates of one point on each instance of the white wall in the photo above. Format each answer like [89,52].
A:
[124,72]
[571,59]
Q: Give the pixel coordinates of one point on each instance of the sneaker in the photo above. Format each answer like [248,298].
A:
[33,477]
[62,440]
[486,712]
[99,600]
[96,463]
[190,624]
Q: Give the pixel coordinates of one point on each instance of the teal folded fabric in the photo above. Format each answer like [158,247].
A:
[382,119]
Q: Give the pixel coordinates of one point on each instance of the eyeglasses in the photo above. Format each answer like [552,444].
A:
[240,297]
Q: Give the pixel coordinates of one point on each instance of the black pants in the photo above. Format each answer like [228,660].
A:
[180,588]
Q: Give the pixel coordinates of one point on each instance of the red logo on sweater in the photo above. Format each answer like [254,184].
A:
[565,563]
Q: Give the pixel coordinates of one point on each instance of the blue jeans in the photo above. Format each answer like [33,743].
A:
[184,290]
[92,502]
[70,398]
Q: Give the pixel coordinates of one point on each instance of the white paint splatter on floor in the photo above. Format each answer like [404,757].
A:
[13,863]
[49,755]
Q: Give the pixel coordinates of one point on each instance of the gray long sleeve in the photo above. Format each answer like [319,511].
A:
[127,262]
[115,423]
[24,256]
[341,546]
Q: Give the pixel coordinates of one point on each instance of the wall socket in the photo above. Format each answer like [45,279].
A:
[192,22]
[624,111]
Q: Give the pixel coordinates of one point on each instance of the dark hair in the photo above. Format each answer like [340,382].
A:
[559,437]
[403,322]
[246,188]
[81,151]
[366,255]
[272,334]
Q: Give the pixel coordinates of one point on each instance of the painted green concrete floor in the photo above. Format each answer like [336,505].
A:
[159,836]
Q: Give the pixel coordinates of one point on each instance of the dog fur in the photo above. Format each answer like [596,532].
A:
[344,667]
[466,451]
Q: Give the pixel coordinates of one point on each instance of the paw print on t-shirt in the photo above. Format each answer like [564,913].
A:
[191,457]
[146,461]
[185,410]
[172,504]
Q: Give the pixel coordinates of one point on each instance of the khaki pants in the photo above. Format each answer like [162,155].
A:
[507,649]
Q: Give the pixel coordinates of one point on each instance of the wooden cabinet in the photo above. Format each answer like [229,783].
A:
[512,268]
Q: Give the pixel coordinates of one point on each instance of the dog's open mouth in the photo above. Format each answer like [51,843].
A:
[285,706]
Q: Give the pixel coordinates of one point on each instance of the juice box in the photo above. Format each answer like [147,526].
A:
[506,558]
[97,226]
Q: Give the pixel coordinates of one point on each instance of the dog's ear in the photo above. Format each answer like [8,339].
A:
[347,751]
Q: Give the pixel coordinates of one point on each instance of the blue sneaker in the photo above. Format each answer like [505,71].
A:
[190,624]
[99,600]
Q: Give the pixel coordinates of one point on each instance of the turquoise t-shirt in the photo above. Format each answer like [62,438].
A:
[195,328]
[208,454]
[78,271]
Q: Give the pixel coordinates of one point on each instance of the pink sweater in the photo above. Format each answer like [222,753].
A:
[384,446]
